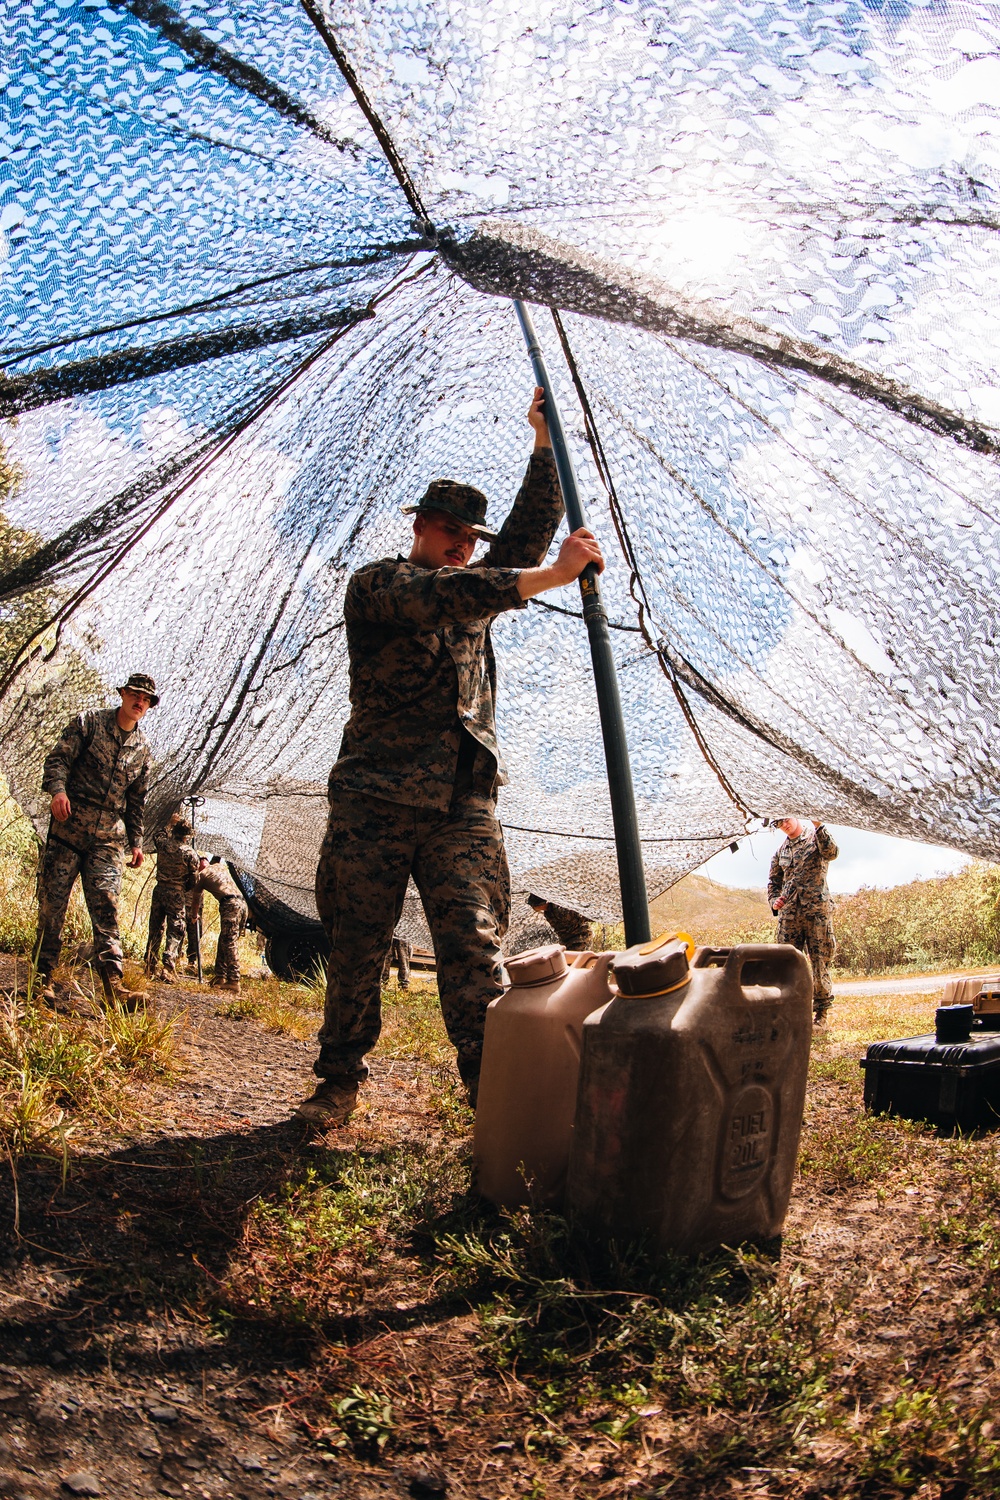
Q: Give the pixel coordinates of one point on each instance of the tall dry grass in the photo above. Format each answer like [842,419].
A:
[950,921]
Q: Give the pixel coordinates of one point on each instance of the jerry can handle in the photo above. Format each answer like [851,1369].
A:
[585,959]
[602,961]
[781,959]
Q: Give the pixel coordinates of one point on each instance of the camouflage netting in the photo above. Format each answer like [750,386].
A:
[257,274]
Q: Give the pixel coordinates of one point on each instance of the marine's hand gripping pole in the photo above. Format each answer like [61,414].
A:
[635,904]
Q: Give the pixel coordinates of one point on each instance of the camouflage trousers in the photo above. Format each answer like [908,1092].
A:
[100,872]
[459,865]
[814,937]
[399,954]
[166,909]
[193,923]
[232,918]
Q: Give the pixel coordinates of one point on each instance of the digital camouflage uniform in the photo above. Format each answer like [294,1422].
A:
[176,868]
[413,792]
[570,927]
[798,873]
[103,770]
[217,880]
[193,908]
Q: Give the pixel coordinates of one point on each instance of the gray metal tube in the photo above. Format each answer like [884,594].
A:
[631,876]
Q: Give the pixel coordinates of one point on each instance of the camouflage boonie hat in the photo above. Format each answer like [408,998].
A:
[463,501]
[139,682]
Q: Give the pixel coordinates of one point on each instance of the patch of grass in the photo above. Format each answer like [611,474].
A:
[289,1009]
[972,1229]
[721,1329]
[51,1065]
[919,1436]
[842,1070]
[839,1153]
[18,862]
[307,1251]
[274,1012]
[412,1025]
[878,1018]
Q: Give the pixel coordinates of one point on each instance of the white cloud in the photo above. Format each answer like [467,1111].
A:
[873,859]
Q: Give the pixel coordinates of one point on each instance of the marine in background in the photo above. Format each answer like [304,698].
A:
[96,775]
[400,954]
[571,927]
[798,895]
[216,879]
[194,906]
[176,871]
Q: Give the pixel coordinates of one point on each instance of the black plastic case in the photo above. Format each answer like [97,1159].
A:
[952,1084]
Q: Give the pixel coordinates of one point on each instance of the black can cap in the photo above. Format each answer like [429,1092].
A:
[654,968]
[953,1023]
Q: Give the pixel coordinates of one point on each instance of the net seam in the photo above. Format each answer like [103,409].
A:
[635,576]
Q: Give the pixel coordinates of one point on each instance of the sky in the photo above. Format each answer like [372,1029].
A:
[864,859]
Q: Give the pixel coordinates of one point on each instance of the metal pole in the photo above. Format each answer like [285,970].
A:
[631,876]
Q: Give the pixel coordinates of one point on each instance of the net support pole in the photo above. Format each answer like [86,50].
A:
[631,876]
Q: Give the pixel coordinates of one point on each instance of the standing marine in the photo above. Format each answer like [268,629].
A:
[216,879]
[96,775]
[797,893]
[571,927]
[414,788]
[176,870]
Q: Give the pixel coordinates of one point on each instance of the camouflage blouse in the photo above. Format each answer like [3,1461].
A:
[104,772]
[176,863]
[798,873]
[421,661]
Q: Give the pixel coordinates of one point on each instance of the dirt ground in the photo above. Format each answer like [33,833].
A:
[204,1302]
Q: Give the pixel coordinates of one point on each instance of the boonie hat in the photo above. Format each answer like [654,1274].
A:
[139,682]
[463,501]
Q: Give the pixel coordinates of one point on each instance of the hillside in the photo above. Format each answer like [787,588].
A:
[712,913]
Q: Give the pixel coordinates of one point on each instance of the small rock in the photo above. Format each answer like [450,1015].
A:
[163,1413]
[48,1413]
[251,1464]
[83,1483]
[424,1481]
[146,1449]
[502,1448]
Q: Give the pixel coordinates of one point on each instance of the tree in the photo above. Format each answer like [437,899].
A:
[55,682]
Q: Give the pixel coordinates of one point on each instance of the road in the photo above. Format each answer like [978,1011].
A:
[921,984]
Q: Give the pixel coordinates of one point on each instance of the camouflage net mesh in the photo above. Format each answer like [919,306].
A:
[257,266]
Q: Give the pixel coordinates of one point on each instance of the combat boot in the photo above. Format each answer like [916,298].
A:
[333,1104]
[821,1009]
[116,994]
[232,985]
[42,988]
[168,976]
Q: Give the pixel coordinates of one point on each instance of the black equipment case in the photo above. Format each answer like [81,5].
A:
[953,1084]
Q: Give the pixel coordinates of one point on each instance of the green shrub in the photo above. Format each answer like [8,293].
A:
[951,920]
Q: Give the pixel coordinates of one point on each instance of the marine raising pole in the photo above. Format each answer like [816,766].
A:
[631,876]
